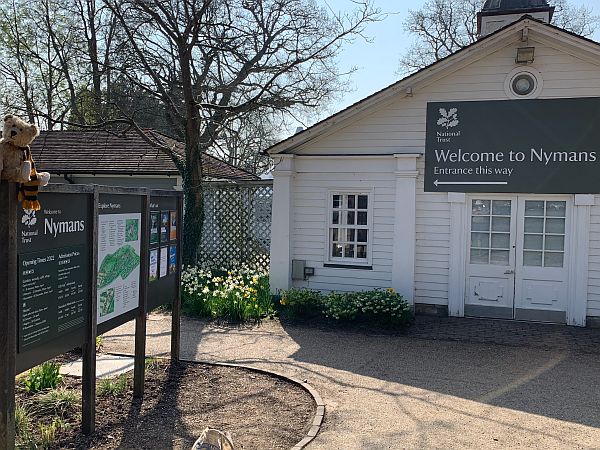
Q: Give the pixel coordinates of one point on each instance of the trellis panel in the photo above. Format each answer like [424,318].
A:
[237,224]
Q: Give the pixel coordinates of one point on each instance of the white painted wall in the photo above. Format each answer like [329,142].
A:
[433,244]
[314,178]
[399,127]
[593,308]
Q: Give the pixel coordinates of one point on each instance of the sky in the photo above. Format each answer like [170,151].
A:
[378,61]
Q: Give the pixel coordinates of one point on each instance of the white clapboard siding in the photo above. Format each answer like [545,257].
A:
[432,246]
[593,308]
[312,184]
[398,126]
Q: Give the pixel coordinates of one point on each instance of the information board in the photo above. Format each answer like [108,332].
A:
[163,250]
[54,278]
[549,146]
[119,250]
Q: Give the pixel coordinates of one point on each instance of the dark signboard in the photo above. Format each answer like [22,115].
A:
[120,238]
[531,146]
[54,277]
[165,225]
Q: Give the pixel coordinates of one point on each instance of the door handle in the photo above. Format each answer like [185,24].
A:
[509,272]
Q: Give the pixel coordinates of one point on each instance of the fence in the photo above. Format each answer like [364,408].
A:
[237,224]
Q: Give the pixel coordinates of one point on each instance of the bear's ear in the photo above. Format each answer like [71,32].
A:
[8,117]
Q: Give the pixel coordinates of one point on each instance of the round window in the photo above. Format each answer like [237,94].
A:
[523,84]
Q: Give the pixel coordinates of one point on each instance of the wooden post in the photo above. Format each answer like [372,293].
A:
[8,312]
[176,316]
[140,320]
[88,395]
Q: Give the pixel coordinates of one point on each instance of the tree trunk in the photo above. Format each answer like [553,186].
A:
[192,181]
[93,54]
[194,210]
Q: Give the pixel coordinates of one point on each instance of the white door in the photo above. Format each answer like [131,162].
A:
[517,257]
[541,269]
[491,257]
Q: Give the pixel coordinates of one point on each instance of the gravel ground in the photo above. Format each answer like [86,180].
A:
[394,392]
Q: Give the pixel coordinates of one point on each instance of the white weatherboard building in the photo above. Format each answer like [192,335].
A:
[472,186]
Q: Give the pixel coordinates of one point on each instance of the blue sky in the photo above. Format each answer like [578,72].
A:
[377,62]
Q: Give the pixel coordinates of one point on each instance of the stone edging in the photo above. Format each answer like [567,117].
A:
[319,415]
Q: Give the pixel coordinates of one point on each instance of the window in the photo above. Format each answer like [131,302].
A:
[490,232]
[349,227]
[544,239]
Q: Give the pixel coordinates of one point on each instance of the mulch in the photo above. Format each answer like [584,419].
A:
[259,411]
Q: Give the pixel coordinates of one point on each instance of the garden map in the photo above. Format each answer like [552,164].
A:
[119,264]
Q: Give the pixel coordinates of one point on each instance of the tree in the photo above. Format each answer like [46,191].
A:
[211,63]
[442,27]
[38,49]
[221,75]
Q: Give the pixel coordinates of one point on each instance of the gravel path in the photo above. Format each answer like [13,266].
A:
[395,392]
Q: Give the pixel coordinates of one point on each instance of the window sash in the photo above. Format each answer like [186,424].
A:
[344,249]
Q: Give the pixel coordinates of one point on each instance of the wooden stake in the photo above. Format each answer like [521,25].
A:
[8,312]
[88,395]
[140,320]
[176,315]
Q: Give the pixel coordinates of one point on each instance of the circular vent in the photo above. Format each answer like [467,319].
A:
[523,83]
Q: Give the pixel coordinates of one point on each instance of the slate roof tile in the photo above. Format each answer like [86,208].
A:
[104,152]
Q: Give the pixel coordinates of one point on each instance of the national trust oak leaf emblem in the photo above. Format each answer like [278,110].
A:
[449,118]
[29,218]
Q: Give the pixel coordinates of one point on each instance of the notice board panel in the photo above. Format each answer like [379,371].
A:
[549,146]
[165,226]
[119,256]
[53,278]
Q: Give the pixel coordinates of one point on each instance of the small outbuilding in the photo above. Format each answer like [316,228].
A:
[471,187]
[117,159]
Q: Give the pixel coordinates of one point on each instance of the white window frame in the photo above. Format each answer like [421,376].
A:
[329,259]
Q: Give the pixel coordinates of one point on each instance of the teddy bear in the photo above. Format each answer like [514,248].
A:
[16,162]
[28,191]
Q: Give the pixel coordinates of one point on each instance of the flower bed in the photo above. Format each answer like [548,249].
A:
[236,295]
[381,307]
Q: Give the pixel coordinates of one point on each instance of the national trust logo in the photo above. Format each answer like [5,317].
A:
[449,118]
[29,218]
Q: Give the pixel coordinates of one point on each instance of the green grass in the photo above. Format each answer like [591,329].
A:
[151,363]
[23,426]
[99,343]
[58,402]
[112,386]
[48,432]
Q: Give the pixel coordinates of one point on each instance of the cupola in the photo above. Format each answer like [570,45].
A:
[499,13]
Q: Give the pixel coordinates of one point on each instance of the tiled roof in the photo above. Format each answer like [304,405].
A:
[104,152]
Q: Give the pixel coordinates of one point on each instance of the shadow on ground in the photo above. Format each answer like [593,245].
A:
[560,383]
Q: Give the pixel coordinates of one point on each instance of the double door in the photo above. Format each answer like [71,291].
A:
[517,257]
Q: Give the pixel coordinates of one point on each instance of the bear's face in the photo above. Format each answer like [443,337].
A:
[18,132]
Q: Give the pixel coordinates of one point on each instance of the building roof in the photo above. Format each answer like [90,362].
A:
[105,152]
[514,5]
[405,87]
